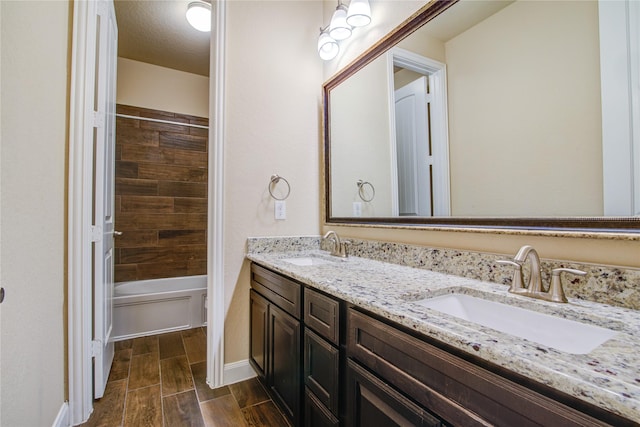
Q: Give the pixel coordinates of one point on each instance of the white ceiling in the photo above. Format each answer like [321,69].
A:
[157,32]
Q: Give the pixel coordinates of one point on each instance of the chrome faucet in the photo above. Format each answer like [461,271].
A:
[534,288]
[338,247]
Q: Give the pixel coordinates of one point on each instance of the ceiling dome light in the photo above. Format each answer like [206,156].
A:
[359,14]
[327,47]
[339,29]
[199,16]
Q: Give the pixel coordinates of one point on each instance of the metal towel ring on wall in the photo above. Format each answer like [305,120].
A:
[275,179]
[361,185]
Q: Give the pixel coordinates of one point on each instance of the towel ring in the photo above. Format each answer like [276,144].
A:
[361,185]
[275,178]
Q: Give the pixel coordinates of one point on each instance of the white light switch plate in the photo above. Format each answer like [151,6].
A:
[357,209]
[280,209]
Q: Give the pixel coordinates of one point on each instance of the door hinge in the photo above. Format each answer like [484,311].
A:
[98,119]
[96,348]
[96,233]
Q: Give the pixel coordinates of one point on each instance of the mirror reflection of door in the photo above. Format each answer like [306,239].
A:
[413,148]
[419,136]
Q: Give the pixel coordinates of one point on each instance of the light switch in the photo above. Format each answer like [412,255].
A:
[280,209]
[357,209]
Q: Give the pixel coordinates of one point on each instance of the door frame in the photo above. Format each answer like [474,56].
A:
[437,71]
[619,24]
[216,306]
[80,199]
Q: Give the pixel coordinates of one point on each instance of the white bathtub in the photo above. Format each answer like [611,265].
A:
[148,307]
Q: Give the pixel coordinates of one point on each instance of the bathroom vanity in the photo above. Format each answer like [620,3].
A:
[343,342]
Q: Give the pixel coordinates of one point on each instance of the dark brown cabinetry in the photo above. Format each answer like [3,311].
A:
[321,358]
[327,364]
[259,310]
[276,338]
[372,403]
[448,387]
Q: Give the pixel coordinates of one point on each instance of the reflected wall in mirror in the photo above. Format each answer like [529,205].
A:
[513,124]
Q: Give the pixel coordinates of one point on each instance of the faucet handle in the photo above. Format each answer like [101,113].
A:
[556,291]
[516,283]
[517,265]
[345,247]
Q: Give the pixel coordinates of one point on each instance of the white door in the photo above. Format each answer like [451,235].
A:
[413,148]
[104,152]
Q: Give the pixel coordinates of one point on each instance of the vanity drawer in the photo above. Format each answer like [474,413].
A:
[283,292]
[316,415]
[321,313]
[321,370]
[455,389]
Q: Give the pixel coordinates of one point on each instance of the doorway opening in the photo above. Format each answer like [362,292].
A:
[419,135]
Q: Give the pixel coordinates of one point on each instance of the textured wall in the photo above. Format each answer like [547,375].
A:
[161,196]
[35,58]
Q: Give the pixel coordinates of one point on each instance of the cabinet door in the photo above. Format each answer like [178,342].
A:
[258,352]
[284,373]
[321,366]
[315,413]
[372,403]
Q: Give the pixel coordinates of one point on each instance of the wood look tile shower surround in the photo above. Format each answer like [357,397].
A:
[161,195]
[159,381]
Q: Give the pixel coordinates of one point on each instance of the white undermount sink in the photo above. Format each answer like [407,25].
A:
[562,334]
[307,261]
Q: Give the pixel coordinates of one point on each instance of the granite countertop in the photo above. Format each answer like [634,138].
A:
[608,376]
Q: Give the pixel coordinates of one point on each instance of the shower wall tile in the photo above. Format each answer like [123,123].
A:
[189,204]
[161,221]
[161,195]
[182,189]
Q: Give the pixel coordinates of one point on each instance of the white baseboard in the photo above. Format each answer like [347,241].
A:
[62,420]
[238,371]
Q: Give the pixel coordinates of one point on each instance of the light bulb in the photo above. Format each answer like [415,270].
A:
[359,13]
[339,29]
[199,16]
[327,47]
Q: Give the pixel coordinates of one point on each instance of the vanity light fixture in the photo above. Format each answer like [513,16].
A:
[338,28]
[359,13]
[199,15]
[328,48]
[344,19]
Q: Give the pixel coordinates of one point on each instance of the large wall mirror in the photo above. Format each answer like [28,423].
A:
[491,113]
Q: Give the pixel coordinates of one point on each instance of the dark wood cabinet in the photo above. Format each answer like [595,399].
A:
[322,314]
[276,339]
[322,354]
[327,363]
[284,366]
[321,370]
[455,389]
[316,414]
[258,352]
[373,403]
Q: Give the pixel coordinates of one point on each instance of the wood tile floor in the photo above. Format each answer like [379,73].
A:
[160,381]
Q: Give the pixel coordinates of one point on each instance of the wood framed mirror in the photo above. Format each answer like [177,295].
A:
[526,120]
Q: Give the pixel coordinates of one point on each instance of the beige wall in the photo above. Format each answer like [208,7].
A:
[360,141]
[273,100]
[35,61]
[524,104]
[159,88]
[584,249]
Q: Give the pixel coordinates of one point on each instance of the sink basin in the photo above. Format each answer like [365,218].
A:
[306,261]
[562,334]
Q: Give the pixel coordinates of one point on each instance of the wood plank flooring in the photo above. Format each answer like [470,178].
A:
[160,381]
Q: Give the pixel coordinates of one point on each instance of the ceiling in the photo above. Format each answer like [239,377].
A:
[157,32]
